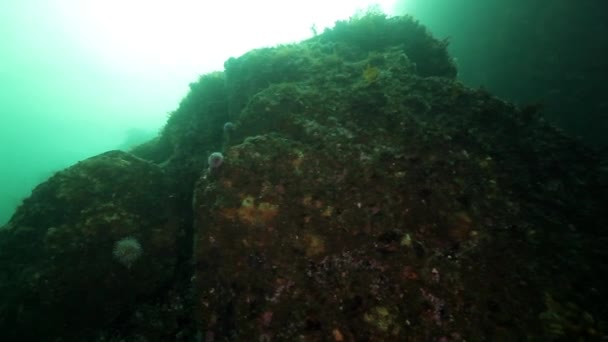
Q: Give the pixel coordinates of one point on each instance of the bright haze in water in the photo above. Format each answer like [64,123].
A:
[79,77]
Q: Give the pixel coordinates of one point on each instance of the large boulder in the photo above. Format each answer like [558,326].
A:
[356,192]
[85,249]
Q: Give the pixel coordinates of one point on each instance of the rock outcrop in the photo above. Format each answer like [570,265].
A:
[364,195]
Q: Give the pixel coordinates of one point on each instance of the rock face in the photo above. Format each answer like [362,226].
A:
[59,275]
[364,195]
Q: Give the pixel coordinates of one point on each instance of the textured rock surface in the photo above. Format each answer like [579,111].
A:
[364,195]
[59,276]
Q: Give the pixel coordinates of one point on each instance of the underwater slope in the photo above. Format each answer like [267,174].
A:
[363,194]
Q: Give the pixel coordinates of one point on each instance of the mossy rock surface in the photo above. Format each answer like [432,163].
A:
[60,277]
[365,195]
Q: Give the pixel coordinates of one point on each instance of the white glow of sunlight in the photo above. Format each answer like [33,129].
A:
[195,34]
[77,75]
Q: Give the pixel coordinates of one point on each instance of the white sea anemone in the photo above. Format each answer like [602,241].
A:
[127,251]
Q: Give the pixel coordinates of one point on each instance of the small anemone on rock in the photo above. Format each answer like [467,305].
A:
[215,160]
[228,127]
[126,251]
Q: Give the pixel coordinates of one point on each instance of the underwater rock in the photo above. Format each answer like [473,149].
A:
[60,277]
[364,194]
